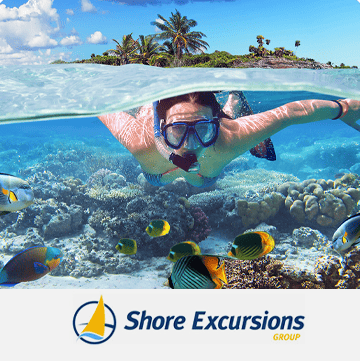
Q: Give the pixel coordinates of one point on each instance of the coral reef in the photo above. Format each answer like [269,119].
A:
[90,192]
[334,272]
[86,201]
[259,273]
[255,212]
[313,203]
[80,161]
[199,230]
[266,273]
[326,203]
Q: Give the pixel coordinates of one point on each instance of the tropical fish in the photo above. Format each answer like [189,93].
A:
[198,272]
[127,246]
[265,149]
[182,249]
[157,228]
[347,234]
[15,194]
[252,245]
[30,265]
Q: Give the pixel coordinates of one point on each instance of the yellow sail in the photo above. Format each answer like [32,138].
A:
[97,322]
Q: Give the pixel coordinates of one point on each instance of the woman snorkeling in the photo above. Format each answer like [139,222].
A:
[190,135]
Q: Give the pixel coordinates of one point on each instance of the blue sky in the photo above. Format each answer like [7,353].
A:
[41,31]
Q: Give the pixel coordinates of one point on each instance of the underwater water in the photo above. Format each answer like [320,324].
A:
[88,187]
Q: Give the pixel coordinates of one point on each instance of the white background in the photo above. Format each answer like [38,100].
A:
[38,323]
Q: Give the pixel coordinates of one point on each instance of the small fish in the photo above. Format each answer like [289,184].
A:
[158,228]
[182,249]
[347,234]
[252,245]
[15,194]
[127,246]
[198,272]
[265,149]
[30,265]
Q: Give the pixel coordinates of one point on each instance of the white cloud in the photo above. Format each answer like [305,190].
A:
[33,25]
[32,57]
[157,30]
[87,6]
[42,40]
[28,32]
[97,38]
[5,48]
[33,8]
[69,12]
[71,40]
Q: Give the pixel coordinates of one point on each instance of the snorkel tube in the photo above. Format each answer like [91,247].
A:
[188,163]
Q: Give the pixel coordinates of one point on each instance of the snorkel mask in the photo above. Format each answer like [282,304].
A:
[203,129]
[188,162]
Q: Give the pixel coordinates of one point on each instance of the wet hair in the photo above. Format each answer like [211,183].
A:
[202,98]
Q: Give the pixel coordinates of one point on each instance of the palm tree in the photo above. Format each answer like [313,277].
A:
[126,50]
[279,52]
[169,48]
[148,48]
[260,39]
[177,29]
[253,49]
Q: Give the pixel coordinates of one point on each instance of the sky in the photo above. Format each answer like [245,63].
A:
[42,31]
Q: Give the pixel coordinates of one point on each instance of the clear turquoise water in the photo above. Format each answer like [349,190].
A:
[69,97]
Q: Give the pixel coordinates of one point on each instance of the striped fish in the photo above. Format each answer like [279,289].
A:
[198,272]
[252,245]
[182,249]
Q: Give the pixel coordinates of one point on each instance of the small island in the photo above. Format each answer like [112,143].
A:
[181,47]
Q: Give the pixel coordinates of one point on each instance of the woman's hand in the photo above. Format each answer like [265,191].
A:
[353,113]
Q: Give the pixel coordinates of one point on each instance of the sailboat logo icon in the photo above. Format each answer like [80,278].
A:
[94,314]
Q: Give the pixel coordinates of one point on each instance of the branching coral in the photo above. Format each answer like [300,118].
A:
[103,194]
[258,273]
[266,273]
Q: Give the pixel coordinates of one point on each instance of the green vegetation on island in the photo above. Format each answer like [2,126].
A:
[182,47]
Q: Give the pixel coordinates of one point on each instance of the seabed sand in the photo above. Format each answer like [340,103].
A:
[148,278]
[143,280]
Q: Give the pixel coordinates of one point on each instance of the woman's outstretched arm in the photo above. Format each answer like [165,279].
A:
[133,133]
[244,133]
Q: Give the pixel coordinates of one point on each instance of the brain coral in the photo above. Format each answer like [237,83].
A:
[252,213]
[325,202]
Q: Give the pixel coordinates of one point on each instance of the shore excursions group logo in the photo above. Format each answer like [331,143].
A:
[90,324]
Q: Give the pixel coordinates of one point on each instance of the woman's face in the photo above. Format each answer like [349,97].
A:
[188,112]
